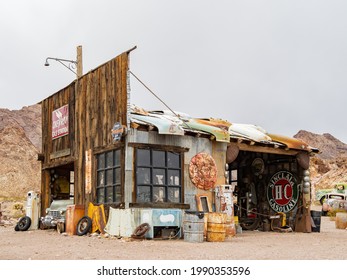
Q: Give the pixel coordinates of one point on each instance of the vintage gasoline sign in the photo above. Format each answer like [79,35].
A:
[282,192]
[60,122]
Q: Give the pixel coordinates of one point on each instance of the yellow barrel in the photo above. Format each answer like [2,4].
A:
[341,220]
[216,227]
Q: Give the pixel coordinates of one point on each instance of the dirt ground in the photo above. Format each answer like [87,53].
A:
[329,244]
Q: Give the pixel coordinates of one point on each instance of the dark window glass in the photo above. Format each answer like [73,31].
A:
[158,176]
[159,194]
[174,177]
[173,160]
[158,158]
[109,177]
[174,195]
[143,194]
[101,161]
[143,175]
[143,157]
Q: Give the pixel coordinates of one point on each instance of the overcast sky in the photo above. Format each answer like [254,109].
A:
[278,64]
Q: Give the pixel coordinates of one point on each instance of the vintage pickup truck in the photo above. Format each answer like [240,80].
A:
[334,200]
[55,214]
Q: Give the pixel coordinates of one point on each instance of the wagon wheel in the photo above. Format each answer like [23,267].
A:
[140,231]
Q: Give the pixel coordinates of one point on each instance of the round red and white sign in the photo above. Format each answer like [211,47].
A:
[282,192]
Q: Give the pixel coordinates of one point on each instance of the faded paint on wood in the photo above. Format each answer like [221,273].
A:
[96,101]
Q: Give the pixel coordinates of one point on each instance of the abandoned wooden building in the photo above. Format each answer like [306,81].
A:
[99,149]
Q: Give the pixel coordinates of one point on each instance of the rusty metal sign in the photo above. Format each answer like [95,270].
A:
[203,171]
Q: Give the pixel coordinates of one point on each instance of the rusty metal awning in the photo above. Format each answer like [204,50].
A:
[174,123]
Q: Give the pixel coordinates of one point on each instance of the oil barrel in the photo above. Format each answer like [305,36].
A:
[230,229]
[216,227]
[193,226]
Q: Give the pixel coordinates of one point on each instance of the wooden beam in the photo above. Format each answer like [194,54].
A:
[269,150]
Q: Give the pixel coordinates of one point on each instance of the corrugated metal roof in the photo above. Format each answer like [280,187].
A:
[172,123]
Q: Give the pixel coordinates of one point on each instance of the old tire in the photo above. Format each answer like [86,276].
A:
[251,224]
[141,230]
[24,223]
[16,228]
[83,226]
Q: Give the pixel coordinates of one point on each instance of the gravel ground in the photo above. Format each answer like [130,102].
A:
[329,244]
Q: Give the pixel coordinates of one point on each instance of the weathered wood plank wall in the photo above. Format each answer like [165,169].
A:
[96,102]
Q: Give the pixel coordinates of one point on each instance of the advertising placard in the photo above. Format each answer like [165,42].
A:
[60,122]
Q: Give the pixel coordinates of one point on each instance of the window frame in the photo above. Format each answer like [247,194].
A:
[166,168]
[117,164]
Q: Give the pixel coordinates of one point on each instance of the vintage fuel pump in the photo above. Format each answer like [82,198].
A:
[224,204]
[224,199]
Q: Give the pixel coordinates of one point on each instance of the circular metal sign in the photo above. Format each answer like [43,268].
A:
[203,171]
[283,192]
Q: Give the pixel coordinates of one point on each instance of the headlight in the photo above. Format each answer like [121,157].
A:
[62,212]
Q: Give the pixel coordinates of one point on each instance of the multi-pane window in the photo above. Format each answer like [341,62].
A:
[108,186]
[158,176]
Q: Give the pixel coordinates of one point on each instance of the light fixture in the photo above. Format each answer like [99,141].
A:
[69,64]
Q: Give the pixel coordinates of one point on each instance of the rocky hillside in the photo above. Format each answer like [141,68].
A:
[330,166]
[20,141]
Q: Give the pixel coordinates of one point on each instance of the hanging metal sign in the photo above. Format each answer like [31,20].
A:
[283,192]
[60,122]
[117,131]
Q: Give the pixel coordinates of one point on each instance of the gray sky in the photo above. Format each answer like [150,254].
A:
[278,64]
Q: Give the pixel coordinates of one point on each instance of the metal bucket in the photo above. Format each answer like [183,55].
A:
[216,227]
[316,218]
[341,220]
[193,226]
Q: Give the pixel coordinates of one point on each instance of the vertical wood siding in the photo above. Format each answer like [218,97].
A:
[96,101]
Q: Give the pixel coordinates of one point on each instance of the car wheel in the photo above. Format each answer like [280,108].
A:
[16,228]
[322,200]
[24,223]
[83,226]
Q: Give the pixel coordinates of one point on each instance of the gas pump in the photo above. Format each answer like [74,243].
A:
[224,204]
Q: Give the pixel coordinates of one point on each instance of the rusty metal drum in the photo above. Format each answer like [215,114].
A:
[341,220]
[230,229]
[216,228]
[193,226]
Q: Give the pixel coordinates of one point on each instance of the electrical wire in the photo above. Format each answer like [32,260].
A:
[156,96]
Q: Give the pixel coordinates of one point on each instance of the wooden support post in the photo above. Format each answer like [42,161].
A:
[79,62]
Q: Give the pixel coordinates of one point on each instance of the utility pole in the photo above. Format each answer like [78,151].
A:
[79,62]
